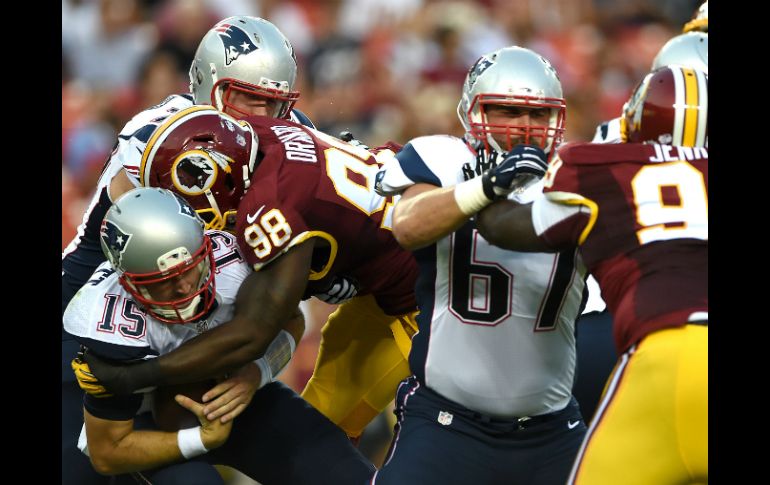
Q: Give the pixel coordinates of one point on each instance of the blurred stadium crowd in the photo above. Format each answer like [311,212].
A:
[382,69]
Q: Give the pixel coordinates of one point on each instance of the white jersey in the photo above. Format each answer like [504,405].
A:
[496,327]
[84,252]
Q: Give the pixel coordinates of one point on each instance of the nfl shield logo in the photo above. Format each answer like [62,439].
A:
[445,418]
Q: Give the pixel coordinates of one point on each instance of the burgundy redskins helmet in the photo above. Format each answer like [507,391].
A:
[205,156]
[669,106]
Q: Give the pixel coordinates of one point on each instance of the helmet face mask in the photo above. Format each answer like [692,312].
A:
[490,133]
[248,55]
[207,157]
[669,106]
[515,77]
[155,242]
[278,102]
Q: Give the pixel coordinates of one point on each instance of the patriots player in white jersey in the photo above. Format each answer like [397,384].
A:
[494,359]
[243,66]
[164,283]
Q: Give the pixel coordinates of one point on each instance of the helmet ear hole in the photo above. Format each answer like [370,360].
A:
[204,137]
[229,181]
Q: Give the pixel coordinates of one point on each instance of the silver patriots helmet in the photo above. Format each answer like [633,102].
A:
[518,77]
[152,237]
[247,54]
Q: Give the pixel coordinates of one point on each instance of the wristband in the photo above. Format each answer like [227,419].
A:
[470,196]
[265,372]
[190,443]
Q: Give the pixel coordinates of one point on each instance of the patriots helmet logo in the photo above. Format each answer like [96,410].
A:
[185,208]
[236,42]
[115,240]
[481,65]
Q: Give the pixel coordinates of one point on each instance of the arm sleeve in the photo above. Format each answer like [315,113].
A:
[435,160]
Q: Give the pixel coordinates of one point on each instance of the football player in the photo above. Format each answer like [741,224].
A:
[490,400]
[166,282]
[595,353]
[243,66]
[638,211]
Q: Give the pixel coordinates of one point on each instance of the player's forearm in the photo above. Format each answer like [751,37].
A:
[296,325]
[139,450]
[426,215]
[508,225]
[265,302]
[216,352]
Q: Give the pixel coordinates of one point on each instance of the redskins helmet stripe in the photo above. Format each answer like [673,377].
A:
[162,131]
[689,119]
[701,138]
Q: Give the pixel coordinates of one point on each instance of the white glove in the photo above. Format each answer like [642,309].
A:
[341,289]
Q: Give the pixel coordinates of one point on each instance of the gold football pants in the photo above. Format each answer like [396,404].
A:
[652,423]
[362,358]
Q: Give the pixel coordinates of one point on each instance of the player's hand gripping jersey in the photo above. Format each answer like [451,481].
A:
[310,185]
[642,224]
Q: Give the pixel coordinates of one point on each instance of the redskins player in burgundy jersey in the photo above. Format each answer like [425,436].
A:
[639,213]
[309,217]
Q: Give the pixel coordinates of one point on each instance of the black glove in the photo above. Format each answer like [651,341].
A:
[118,378]
[341,289]
[348,137]
[520,167]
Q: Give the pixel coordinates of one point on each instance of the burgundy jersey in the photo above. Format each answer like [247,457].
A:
[646,240]
[311,185]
